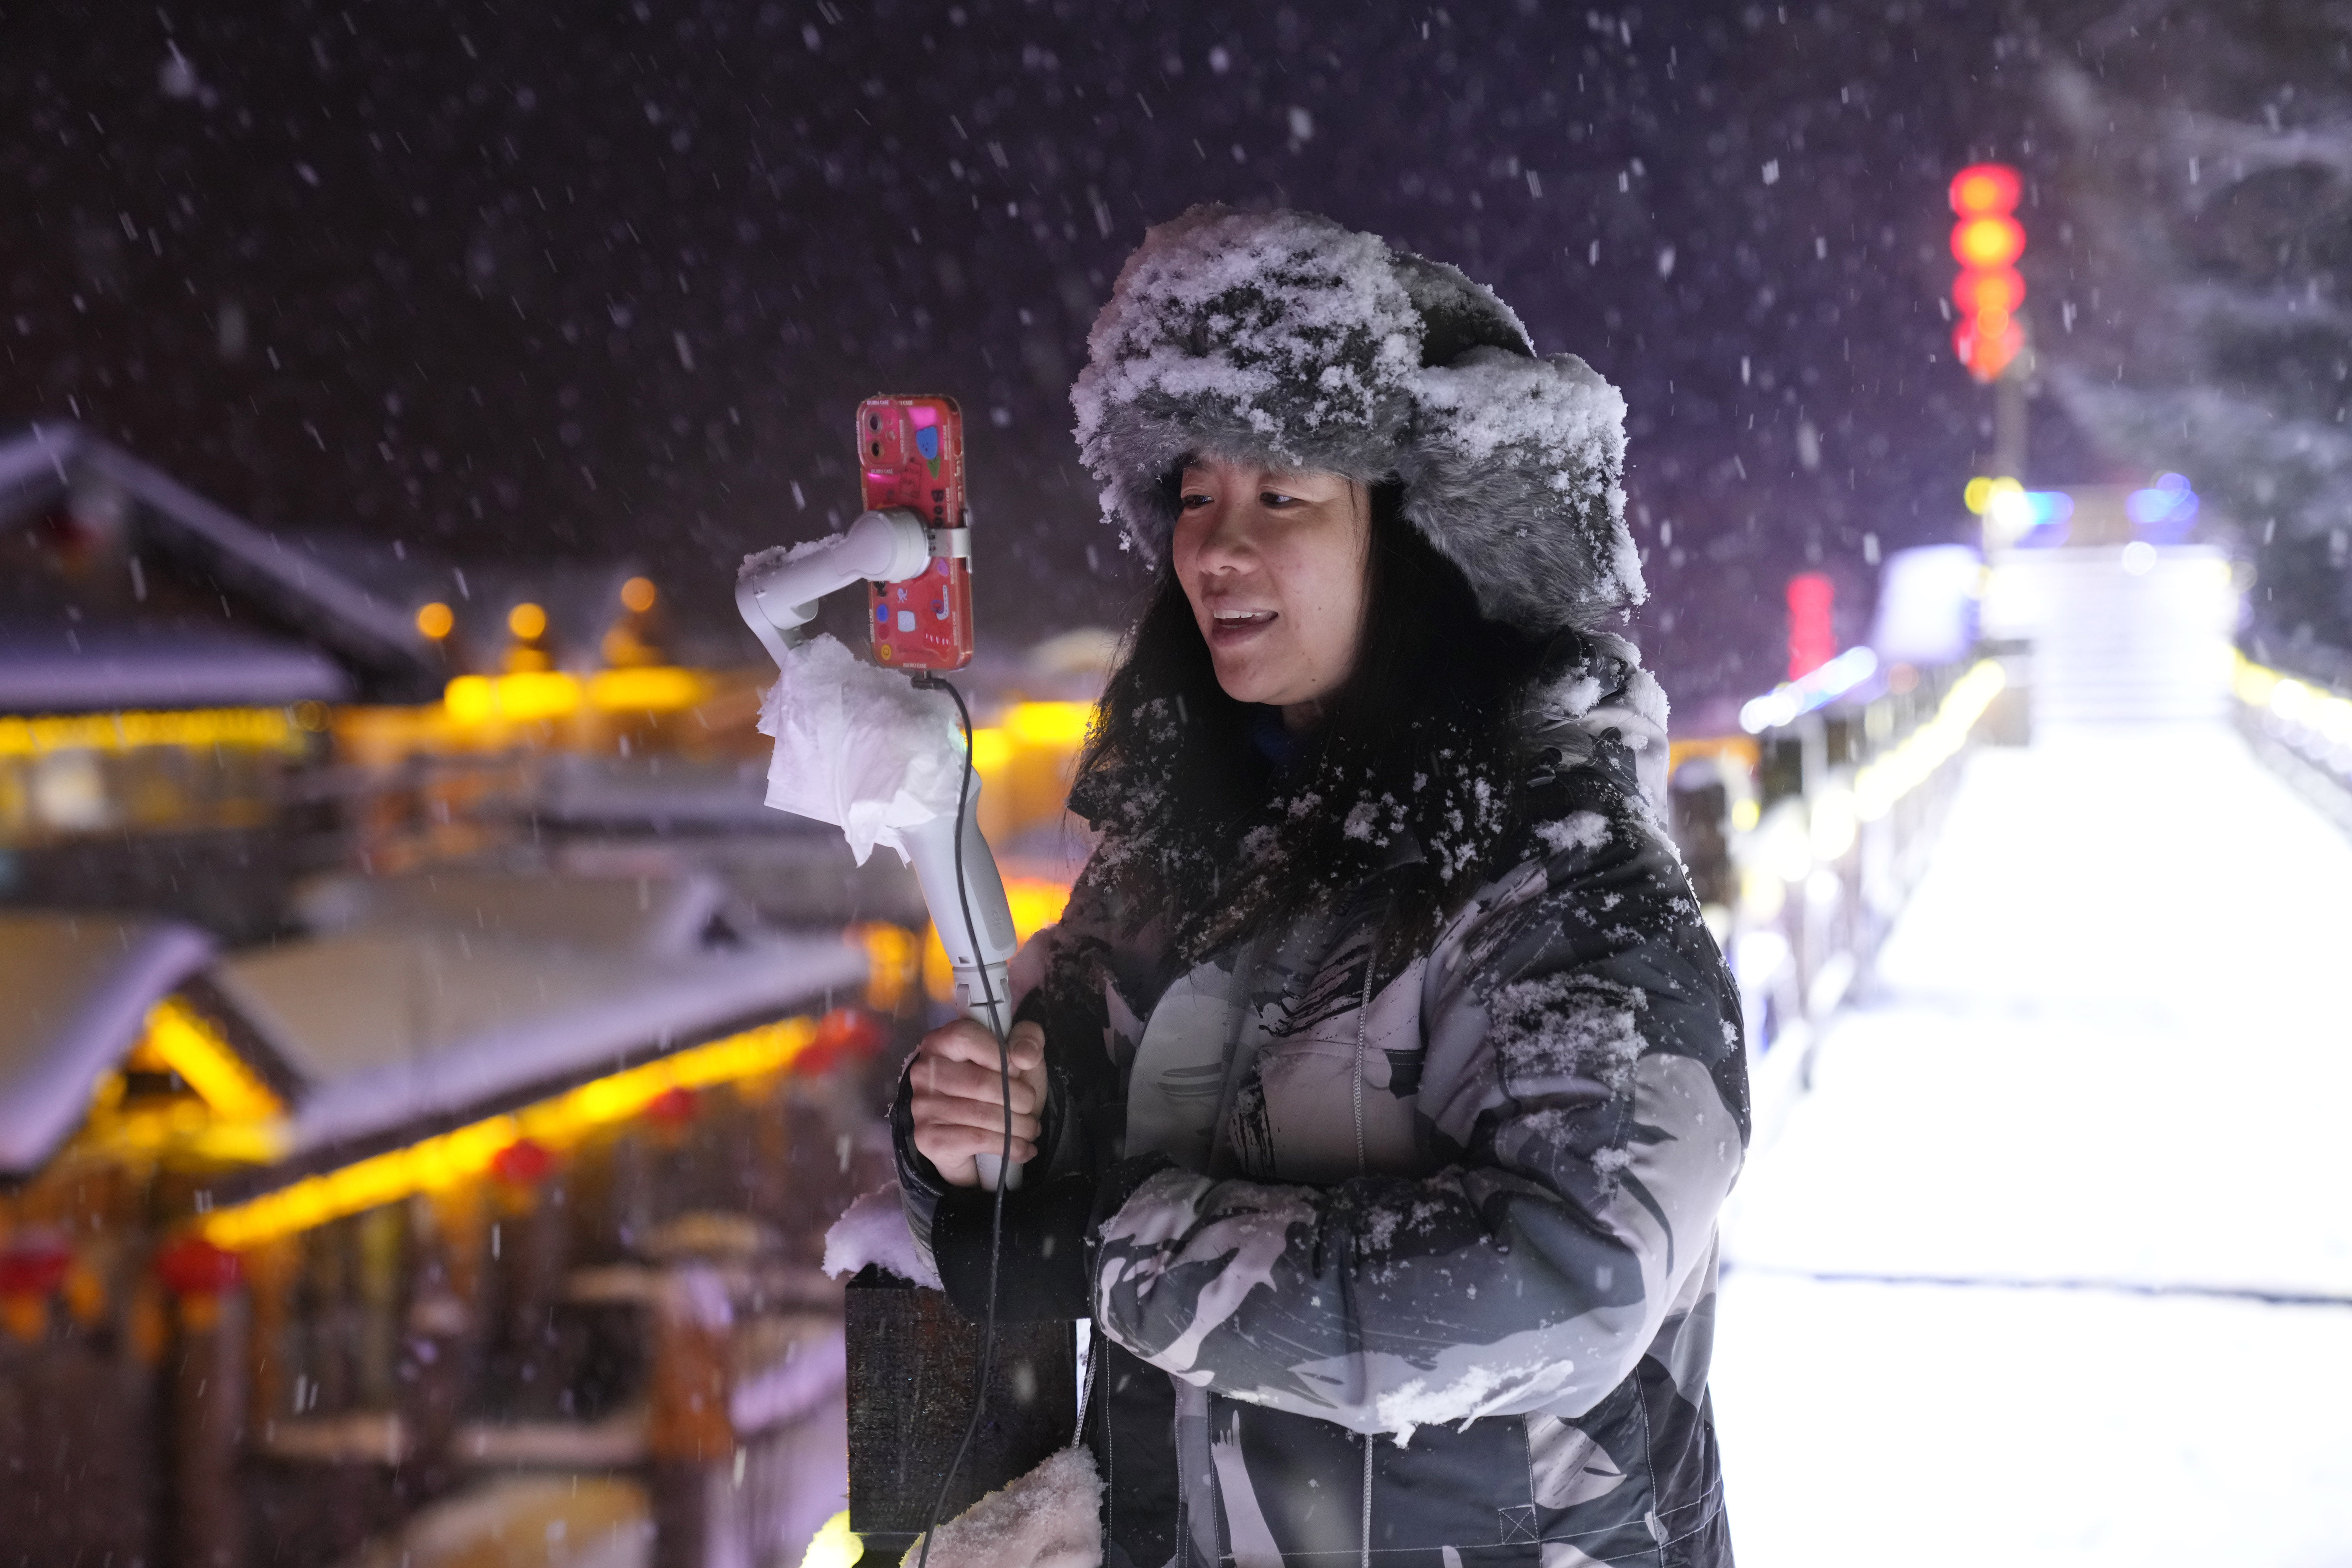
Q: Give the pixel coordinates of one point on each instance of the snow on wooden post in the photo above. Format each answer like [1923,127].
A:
[208,1404]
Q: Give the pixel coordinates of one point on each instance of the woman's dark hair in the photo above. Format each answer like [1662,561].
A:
[1204,827]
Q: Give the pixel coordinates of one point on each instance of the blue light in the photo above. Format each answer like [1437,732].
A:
[2164,512]
[2047,514]
[1817,690]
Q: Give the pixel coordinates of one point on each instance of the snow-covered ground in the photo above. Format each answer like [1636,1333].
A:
[2055,1264]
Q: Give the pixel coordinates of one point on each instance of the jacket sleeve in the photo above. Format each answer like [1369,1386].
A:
[1059,980]
[1583,1091]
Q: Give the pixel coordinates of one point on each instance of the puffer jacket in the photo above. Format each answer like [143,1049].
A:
[1397,1255]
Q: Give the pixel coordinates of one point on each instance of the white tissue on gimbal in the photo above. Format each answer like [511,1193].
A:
[859,747]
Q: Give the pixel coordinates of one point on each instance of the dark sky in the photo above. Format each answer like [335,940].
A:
[528,281]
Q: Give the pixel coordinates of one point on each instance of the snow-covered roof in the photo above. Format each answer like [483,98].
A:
[77,990]
[439,996]
[421,999]
[371,636]
[670,915]
[68,668]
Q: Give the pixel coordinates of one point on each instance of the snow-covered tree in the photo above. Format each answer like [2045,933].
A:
[2205,165]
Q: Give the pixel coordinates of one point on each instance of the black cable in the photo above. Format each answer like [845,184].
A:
[929,681]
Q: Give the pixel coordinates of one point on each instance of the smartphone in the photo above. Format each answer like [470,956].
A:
[910,454]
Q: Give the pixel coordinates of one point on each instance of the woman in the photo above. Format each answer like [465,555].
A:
[1379,1089]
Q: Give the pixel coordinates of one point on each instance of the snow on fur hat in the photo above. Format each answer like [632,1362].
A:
[1282,338]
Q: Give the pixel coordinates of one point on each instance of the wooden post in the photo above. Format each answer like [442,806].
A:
[439,1335]
[272,1270]
[207,1380]
[690,1428]
[913,1359]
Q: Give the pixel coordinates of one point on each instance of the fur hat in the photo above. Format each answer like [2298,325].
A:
[1282,338]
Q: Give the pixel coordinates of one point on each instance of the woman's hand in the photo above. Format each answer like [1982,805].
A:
[959,1097]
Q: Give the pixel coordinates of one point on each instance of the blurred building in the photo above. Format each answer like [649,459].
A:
[489,1178]
[197,714]
[167,674]
[430,1066]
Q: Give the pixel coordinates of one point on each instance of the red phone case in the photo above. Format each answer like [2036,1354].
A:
[910,454]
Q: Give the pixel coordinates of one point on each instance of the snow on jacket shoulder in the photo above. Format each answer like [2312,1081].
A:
[1464,1199]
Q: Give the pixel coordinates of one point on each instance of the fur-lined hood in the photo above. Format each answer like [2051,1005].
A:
[1282,338]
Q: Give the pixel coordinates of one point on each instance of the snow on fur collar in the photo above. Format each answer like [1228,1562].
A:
[1591,686]
[1282,338]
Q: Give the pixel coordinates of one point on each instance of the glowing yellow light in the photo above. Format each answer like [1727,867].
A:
[1035,903]
[991,749]
[2253,684]
[527,621]
[188,1044]
[558,1122]
[2001,289]
[1882,783]
[2007,512]
[1062,724]
[517,698]
[648,688]
[1744,813]
[1979,492]
[231,1116]
[835,1545]
[1986,188]
[639,593]
[471,699]
[1984,243]
[436,621]
[201,729]
[2305,707]
[893,958]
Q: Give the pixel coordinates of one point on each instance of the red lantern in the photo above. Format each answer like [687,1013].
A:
[523,1163]
[673,1108]
[845,1034]
[1987,242]
[1812,639]
[1983,188]
[1994,289]
[33,1268]
[1987,344]
[195,1266]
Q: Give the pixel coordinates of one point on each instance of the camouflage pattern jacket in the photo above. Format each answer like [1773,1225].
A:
[1423,1268]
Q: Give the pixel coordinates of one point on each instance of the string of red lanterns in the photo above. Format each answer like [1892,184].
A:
[1987,242]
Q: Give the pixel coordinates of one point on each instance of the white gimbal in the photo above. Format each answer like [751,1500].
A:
[950,860]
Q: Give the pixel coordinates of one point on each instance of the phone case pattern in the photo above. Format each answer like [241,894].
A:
[910,453]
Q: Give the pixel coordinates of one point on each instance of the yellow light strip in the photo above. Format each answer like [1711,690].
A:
[189,1047]
[893,960]
[2307,707]
[651,687]
[991,752]
[529,695]
[1878,786]
[1059,724]
[1034,903]
[454,1156]
[245,729]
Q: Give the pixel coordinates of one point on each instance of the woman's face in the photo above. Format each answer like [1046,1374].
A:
[1274,565]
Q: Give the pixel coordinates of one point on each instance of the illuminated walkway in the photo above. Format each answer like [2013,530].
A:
[2055,1265]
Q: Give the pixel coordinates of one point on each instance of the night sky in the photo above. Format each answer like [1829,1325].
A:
[521,282]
